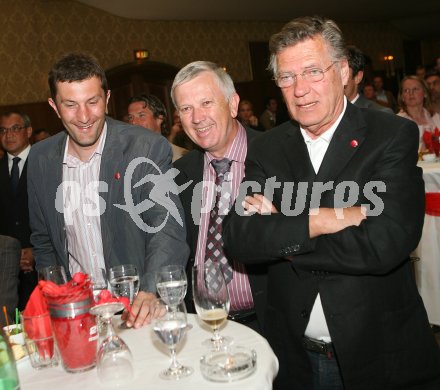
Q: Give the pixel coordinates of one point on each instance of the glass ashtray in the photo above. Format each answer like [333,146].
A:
[229,364]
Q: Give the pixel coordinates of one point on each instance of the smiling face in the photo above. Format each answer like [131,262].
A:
[206,116]
[315,105]
[14,142]
[81,106]
[140,115]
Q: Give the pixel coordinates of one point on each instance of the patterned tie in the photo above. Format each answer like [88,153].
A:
[15,174]
[214,244]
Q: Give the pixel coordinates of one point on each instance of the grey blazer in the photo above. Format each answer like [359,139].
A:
[10,252]
[123,241]
[363,102]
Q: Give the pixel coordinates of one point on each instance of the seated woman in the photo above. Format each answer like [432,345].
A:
[415,105]
[246,115]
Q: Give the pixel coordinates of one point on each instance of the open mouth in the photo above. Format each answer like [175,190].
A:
[203,129]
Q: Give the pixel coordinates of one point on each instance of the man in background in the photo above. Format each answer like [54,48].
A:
[433,82]
[356,63]
[149,112]
[86,212]
[15,135]
[40,134]
[384,96]
[268,118]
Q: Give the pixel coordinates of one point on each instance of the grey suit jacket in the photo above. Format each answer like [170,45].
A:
[10,253]
[123,240]
[363,102]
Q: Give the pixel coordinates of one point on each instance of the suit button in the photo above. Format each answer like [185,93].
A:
[304,314]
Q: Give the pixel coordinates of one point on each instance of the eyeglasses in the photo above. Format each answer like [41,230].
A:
[13,129]
[313,75]
[411,90]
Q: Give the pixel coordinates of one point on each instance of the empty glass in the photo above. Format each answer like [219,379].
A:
[114,360]
[54,273]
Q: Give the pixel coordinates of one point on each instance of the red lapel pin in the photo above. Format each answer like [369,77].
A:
[117,176]
[354,143]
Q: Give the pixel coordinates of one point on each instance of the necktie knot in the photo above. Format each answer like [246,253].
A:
[221,166]
[16,160]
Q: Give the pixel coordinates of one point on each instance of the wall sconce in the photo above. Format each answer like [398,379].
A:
[389,65]
[141,54]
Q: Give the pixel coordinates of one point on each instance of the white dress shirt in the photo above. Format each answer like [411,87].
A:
[317,327]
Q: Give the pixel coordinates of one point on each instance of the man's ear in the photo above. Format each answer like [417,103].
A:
[54,106]
[234,100]
[358,78]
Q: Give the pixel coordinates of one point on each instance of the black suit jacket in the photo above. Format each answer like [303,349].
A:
[14,222]
[190,168]
[374,313]
[14,211]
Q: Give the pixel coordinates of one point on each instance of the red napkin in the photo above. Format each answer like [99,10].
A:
[427,139]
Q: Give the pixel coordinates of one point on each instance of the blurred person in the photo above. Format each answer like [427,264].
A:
[343,310]
[356,63]
[384,96]
[10,253]
[40,134]
[149,112]
[207,102]
[268,118]
[246,115]
[415,105]
[421,71]
[80,215]
[432,80]
[15,135]
[177,135]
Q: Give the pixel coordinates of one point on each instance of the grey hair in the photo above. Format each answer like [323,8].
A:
[193,69]
[301,29]
[25,117]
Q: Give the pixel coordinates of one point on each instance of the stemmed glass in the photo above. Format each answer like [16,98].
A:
[114,360]
[211,301]
[170,326]
[171,284]
[124,282]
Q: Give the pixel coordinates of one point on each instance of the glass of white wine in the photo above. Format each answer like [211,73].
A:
[124,282]
[211,301]
[170,326]
[171,284]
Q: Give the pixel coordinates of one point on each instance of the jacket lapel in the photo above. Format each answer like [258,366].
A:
[346,141]
[111,161]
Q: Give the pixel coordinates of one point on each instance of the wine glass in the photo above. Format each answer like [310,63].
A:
[211,300]
[170,325]
[54,273]
[124,282]
[114,360]
[171,284]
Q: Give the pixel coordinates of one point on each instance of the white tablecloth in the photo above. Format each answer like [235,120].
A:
[151,357]
[427,270]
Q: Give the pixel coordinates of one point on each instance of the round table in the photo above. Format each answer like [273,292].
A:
[150,357]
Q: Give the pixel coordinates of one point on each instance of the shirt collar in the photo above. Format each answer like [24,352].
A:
[237,150]
[68,158]
[23,154]
[328,134]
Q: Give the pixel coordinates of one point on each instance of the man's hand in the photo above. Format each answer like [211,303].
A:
[258,203]
[140,314]
[27,260]
[328,221]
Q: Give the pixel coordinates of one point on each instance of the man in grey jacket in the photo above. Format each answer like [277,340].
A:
[101,193]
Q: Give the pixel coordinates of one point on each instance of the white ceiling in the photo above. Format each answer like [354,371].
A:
[416,19]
